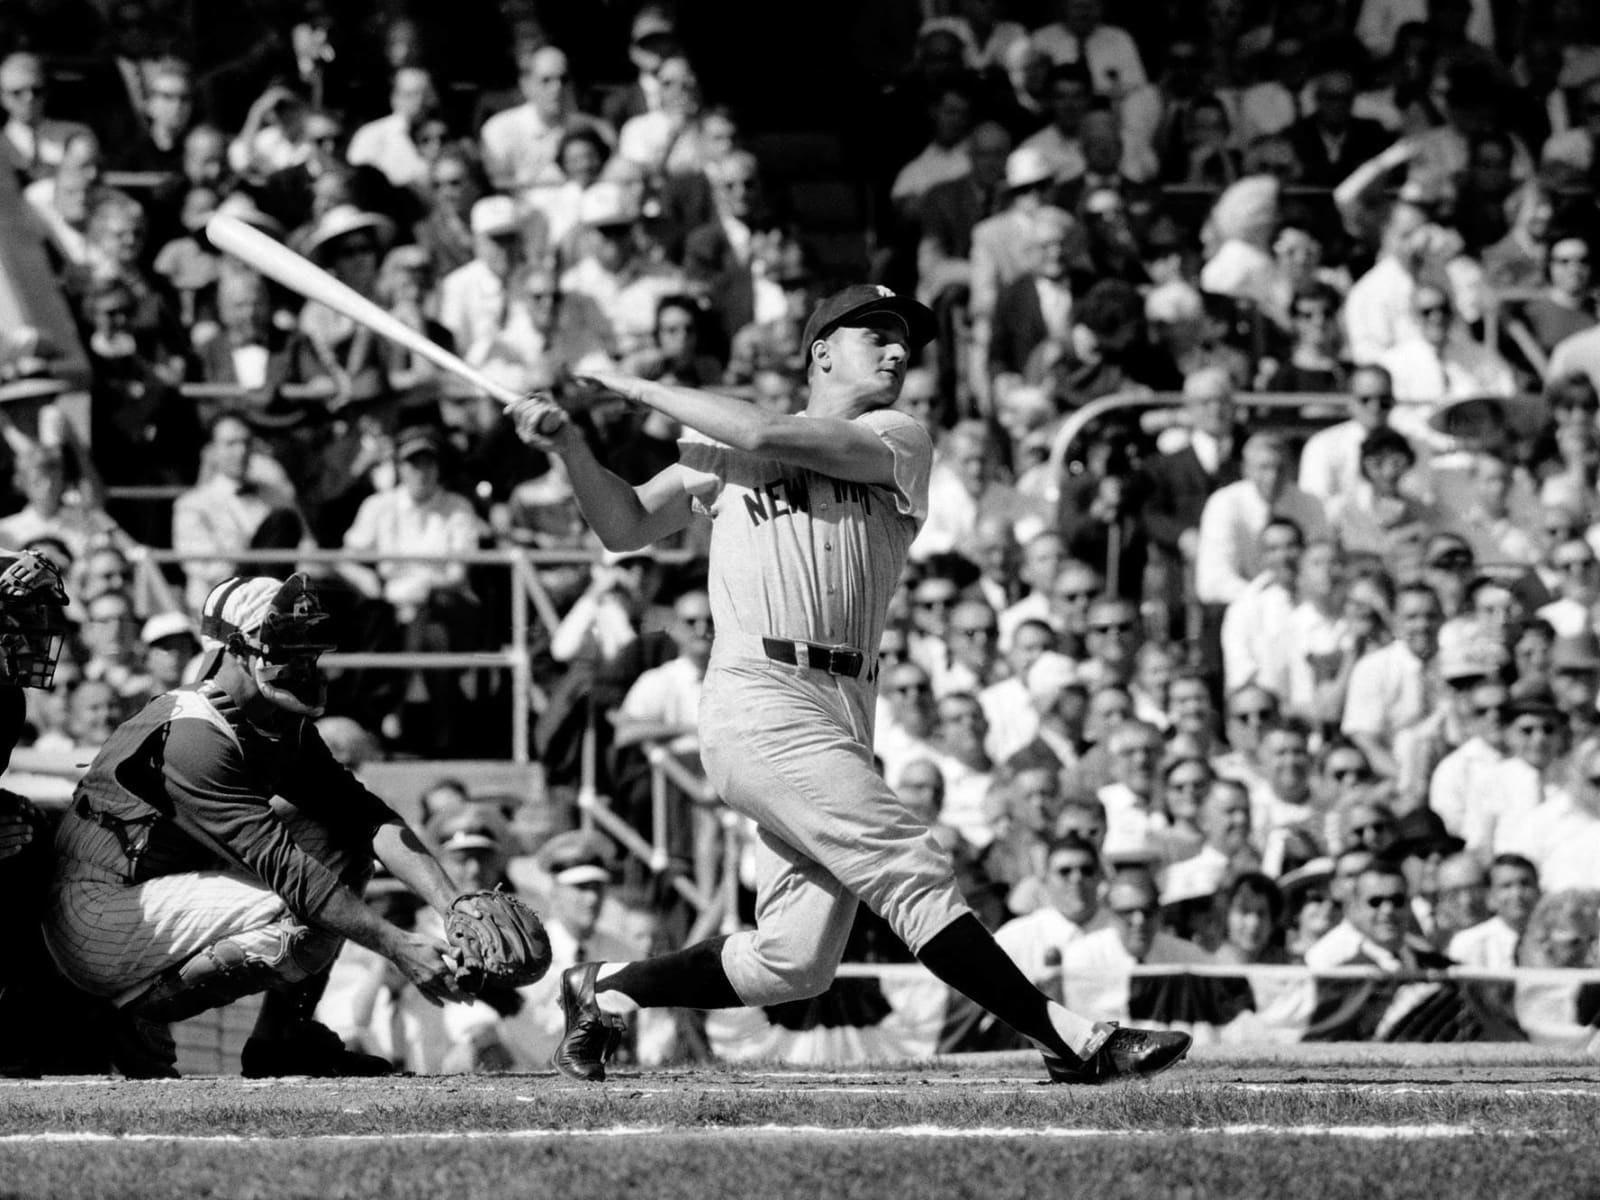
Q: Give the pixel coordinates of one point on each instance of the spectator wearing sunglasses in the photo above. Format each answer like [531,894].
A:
[1135,935]
[1330,461]
[1070,883]
[1376,930]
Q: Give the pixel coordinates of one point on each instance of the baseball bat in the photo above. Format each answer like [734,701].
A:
[299,274]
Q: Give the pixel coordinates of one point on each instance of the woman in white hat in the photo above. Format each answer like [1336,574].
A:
[348,243]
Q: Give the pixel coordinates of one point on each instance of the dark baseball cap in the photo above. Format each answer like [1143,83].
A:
[860,299]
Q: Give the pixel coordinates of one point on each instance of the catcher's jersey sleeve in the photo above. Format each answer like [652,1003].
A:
[220,804]
[802,555]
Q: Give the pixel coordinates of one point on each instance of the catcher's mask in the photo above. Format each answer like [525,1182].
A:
[33,619]
[278,630]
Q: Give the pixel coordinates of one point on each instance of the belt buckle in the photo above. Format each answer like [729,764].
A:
[844,662]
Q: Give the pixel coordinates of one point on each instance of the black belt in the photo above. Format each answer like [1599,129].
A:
[819,658]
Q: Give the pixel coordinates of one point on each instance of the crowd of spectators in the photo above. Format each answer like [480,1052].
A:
[1231,680]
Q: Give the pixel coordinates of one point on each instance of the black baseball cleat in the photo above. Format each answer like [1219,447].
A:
[592,1036]
[1127,1054]
[309,1048]
[140,1048]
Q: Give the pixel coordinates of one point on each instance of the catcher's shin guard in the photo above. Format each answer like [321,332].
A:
[232,969]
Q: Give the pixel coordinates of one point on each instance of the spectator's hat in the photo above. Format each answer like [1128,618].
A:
[1048,676]
[341,221]
[1580,652]
[495,216]
[37,387]
[1312,876]
[417,441]
[576,858]
[1421,833]
[1452,416]
[410,257]
[652,22]
[241,206]
[1533,702]
[1197,878]
[607,204]
[1468,653]
[165,626]
[861,299]
[1026,167]
[470,827]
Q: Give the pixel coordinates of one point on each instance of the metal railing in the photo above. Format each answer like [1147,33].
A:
[529,599]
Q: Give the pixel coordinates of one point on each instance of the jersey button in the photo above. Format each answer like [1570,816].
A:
[827,545]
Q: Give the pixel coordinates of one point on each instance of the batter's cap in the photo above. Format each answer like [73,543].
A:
[863,298]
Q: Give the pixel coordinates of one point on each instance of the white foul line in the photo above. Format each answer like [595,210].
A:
[936,1132]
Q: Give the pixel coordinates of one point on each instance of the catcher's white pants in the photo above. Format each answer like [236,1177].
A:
[112,938]
[790,747]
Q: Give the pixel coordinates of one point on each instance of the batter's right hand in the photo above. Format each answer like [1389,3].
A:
[427,963]
[540,421]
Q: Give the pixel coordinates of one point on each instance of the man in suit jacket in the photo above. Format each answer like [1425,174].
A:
[1038,306]
[951,210]
[1178,483]
[1330,142]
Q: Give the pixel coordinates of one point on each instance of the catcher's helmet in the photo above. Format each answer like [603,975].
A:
[278,628]
[33,619]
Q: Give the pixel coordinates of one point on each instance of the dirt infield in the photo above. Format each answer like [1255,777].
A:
[1359,1121]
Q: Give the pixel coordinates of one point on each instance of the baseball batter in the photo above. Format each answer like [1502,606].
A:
[811,519]
[214,849]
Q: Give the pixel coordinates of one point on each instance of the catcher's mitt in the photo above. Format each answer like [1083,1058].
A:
[501,941]
[31,573]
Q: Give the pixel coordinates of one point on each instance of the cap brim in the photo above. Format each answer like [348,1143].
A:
[581,874]
[921,325]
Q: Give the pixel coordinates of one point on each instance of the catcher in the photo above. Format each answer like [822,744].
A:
[214,850]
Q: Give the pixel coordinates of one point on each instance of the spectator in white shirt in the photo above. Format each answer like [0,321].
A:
[1513,894]
[1227,553]
[1530,805]
[1577,588]
[1007,704]
[434,606]
[1256,642]
[1136,936]
[1137,826]
[219,515]
[1081,37]
[389,143]
[944,158]
[1043,556]
[1395,686]
[1441,362]
[474,299]
[1576,147]
[520,144]
[34,141]
[1330,462]
[1462,775]
[1070,887]
[1070,93]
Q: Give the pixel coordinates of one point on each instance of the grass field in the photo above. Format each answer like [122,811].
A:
[1434,1123]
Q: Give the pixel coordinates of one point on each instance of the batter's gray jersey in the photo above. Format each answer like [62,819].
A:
[804,556]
